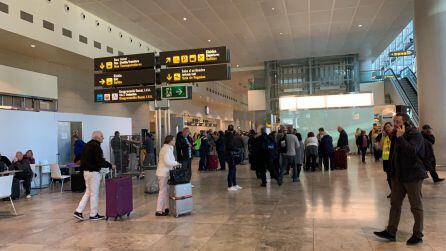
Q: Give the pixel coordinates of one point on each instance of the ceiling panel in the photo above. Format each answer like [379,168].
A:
[252,28]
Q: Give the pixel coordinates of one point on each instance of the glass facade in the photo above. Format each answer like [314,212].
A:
[403,42]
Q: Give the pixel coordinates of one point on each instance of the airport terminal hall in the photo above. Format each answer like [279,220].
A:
[232,125]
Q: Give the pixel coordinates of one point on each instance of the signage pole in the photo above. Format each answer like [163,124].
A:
[169,131]
[165,123]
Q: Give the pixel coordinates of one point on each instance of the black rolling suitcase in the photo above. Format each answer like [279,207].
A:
[77,182]
[15,189]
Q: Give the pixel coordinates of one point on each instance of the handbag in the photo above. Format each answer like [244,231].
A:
[178,175]
[236,156]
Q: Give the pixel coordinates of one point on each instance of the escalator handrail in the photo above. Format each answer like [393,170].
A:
[402,93]
[411,76]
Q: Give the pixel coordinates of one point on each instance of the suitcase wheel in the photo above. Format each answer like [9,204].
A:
[128,215]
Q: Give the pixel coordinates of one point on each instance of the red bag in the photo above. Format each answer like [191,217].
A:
[212,162]
[119,197]
[340,159]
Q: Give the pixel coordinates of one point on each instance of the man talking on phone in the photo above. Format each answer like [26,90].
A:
[407,174]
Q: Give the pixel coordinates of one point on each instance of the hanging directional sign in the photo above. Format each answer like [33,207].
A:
[123,95]
[125,78]
[214,55]
[396,54]
[128,62]
[174,92]
[196,74]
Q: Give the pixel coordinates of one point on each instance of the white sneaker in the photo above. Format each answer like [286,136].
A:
[28,196]
[192,185]
[232,189]
[238,187]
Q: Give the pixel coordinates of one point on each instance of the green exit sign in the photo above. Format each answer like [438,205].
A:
[174,92]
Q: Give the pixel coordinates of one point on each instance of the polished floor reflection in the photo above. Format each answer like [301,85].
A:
[326,211]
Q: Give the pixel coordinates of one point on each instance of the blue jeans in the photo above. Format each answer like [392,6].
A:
[232,172]
[202,162]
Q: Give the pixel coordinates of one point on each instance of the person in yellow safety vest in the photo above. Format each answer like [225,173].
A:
[384,142]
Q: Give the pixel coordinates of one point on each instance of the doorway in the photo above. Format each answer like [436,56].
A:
[65,132]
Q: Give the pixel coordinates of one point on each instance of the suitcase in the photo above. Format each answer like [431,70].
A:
[151,180]
[180,199]
[340,159]
[77,182]
[212,162]
[119,197]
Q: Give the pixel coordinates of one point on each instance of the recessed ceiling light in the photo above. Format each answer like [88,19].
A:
[238,65]
[273,8]
[281,33]
[33,46]
[359,25]
[184,18]
[209,40]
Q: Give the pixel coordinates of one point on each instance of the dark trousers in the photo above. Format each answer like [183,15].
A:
[287,162]
[221,159]
[377,154]
[202,162]
[434,174]
[328,160]
[387,169]
[363,153]
[232,180]
[26,181]
[187,164]
[311,162]
[399,191]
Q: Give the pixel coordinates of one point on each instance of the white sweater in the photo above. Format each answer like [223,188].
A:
[311,141]
[166,161]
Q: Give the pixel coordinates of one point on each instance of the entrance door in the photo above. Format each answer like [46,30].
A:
[65,131]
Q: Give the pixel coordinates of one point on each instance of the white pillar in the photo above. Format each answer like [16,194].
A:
[430,42]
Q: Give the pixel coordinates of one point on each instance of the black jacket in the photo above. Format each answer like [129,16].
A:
[429,161]
[359,141]
[183,147]
[343,139]
[229,143]
[406,156]
[5,160]
[23,166]
[92,158]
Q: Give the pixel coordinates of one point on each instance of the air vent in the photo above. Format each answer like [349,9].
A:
[4,8]
[26,16]
[97,45]
[109,49]
[120,53]
[83,39]
[48,25]
[67,33]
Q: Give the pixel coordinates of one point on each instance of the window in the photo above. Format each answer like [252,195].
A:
[48,25]
[26,16]
[83,39]
[97,45]
[4,8]
[67,33]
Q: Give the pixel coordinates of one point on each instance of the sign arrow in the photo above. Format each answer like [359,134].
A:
[102,66]
[179,92]
[168,60]
[102,81]
[169,77]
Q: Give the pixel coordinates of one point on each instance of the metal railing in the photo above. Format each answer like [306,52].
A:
[409,74]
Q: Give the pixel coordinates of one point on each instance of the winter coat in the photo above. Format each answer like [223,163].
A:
[166,161]
[93,158]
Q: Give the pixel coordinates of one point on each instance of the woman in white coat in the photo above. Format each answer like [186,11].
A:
[165,164]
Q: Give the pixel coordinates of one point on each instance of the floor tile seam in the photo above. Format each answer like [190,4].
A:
[211,237]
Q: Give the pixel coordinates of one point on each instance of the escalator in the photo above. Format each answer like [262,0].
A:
[405,84]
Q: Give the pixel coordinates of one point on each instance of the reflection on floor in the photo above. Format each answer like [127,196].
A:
[325,211]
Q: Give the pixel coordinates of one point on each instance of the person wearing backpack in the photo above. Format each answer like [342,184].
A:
[363,142]
[430,155]
[407,155]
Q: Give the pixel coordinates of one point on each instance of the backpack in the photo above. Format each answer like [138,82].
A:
[283,145]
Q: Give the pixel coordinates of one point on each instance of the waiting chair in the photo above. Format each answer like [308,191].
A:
[5,189]
[57,175]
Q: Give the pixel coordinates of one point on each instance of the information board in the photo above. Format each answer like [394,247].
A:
[125,78]
[123,95]
[128,62]
[214,55]
[195,74]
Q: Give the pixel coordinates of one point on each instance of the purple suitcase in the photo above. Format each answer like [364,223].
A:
[119,197]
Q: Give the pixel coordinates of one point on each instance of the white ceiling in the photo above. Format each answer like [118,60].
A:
[259,30]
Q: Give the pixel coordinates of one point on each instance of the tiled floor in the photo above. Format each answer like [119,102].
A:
[326,211]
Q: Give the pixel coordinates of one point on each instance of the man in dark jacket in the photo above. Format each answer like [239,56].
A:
[91,163]
[229,151]
[220,145]
[430,138]
[327,151]
[407,152]
[343,139]
[117,146]
[184,146]
[26,174]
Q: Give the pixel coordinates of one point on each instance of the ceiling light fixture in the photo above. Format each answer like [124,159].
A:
[209,40]
[184,18]
[281,33]
[359,25]
[238,66]
[33,46]
[273,8]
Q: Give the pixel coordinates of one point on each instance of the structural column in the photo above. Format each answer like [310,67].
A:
[430,42]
